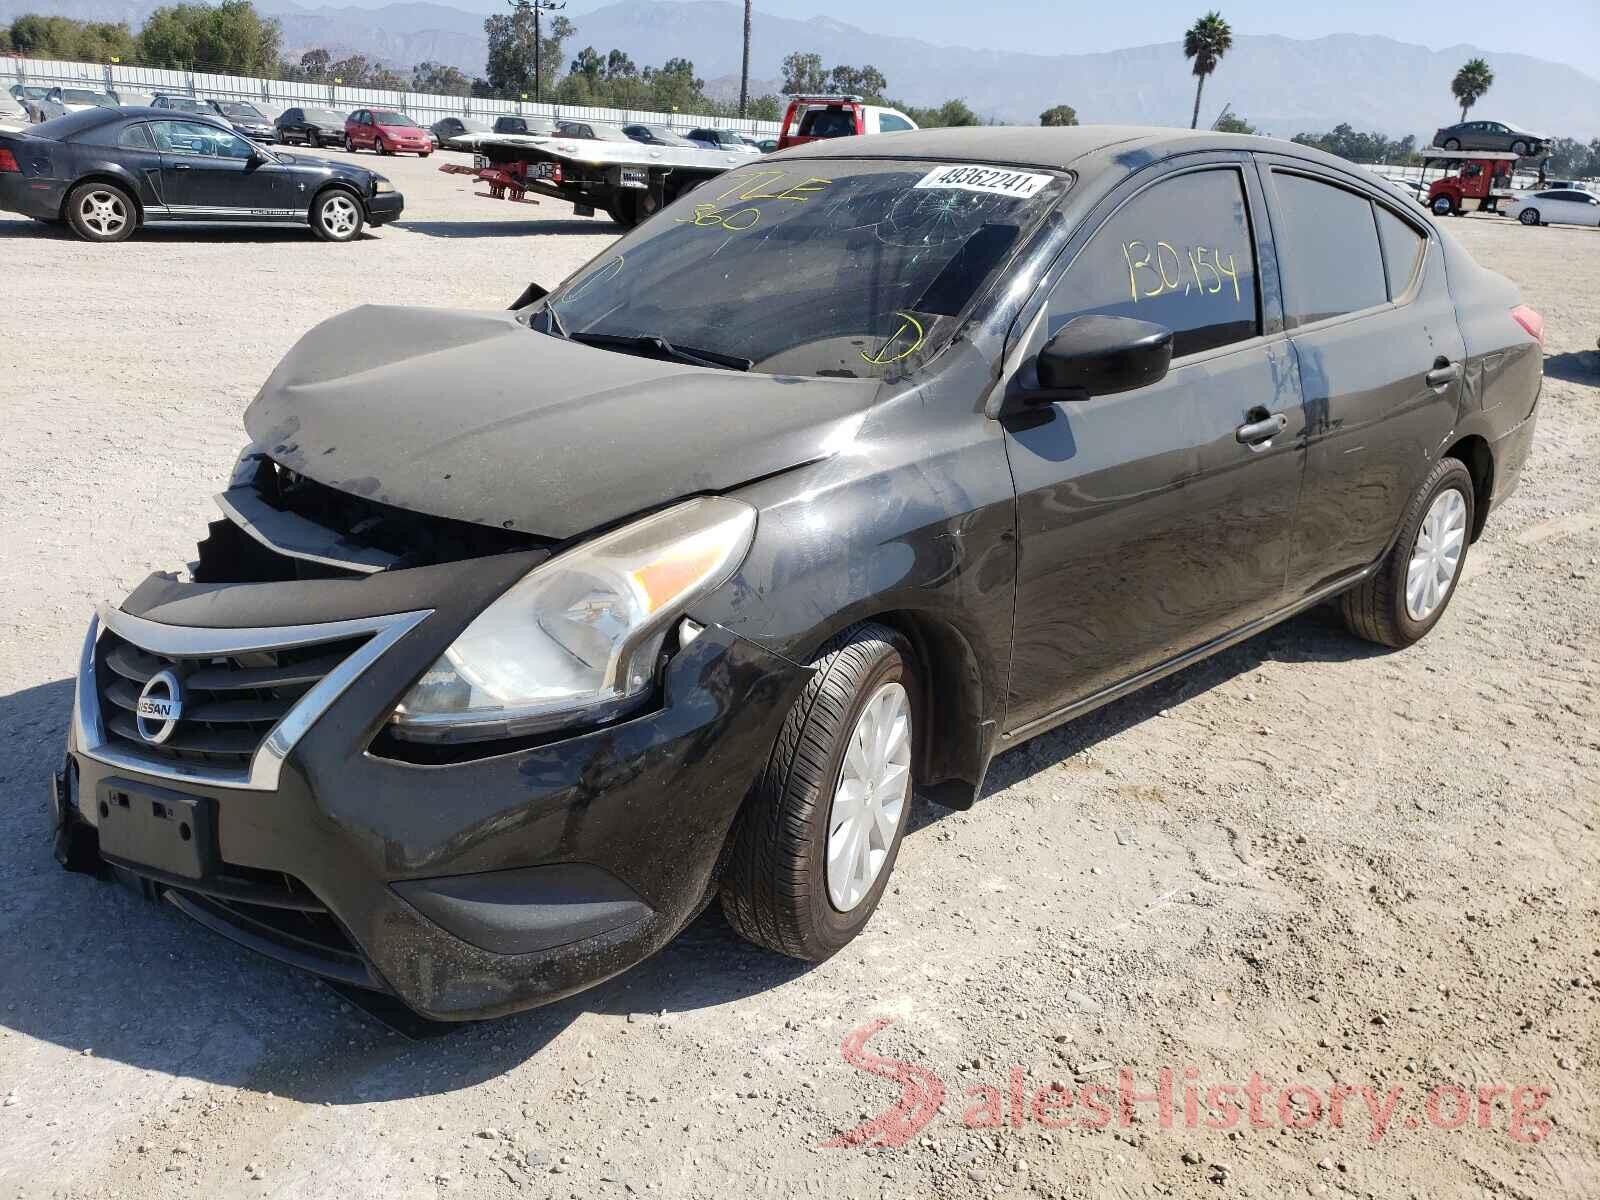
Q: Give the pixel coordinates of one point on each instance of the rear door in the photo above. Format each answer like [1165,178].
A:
[1374,331]
[1147,527]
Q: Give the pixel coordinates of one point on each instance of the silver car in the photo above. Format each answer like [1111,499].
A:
[1489,135]
[58,102]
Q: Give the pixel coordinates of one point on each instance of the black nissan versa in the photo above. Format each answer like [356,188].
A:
[522,636]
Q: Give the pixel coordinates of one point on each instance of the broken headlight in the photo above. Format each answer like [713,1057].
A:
[577,637]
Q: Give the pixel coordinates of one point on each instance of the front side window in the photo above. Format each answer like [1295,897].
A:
[846,267]
[1329,249]
[1180,254]
[204,141]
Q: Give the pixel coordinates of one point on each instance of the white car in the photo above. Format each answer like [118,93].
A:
[13,116]
[58,102]
[1554,206]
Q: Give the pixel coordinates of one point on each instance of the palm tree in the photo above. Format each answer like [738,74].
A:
[744,74]
[1207,41]
[1471,82]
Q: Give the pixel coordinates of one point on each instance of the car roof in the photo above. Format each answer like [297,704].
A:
[1053,147]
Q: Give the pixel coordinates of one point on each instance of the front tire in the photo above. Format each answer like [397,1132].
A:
[349,144]
[1529,216]
[1442,206]
[1520,149]
[382,147]
[101,212]
[1450,144]
[1405,597]
[336,216]
[815,844]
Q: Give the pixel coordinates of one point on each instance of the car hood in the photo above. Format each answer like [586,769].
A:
[402,130]
[475,417]
[312,160]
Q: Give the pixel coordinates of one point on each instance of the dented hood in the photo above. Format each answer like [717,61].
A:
[473,416]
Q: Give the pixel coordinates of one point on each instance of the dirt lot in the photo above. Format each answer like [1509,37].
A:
[1305,860]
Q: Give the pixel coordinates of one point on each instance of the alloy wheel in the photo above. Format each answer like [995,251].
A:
[103,213]
[1436,556]
[339,216]
[874,784]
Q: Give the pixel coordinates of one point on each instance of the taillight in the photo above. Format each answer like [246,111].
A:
[1530,320]
[8,162]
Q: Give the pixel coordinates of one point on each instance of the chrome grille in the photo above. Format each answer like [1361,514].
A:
[230,701]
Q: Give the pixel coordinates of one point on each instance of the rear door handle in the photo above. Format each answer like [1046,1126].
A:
[1443,372]
[1263,430]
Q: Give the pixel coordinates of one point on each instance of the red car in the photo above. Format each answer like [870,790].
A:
[386,132]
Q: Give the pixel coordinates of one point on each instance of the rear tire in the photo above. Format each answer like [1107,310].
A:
[1381,608]
[101,212]
[814,845]
[336,216]
[1529,216]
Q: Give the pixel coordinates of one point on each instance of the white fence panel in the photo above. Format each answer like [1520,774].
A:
[275,95]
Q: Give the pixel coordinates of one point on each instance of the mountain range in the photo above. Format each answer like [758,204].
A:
[1282,85]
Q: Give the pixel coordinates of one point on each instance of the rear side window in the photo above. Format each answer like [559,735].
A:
[137,137]
[1402,250]
[1329,250]
[889,123]
[1181,254]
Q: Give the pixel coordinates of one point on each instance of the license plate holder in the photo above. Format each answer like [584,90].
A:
[152,827]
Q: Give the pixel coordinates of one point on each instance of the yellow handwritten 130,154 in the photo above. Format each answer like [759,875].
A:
[1148,264]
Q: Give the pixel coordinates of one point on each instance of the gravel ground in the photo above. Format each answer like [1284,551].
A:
[1305,859]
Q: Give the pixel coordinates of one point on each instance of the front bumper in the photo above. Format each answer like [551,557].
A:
[471,889]
[385,207]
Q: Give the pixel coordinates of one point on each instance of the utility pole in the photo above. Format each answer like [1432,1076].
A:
[540,6]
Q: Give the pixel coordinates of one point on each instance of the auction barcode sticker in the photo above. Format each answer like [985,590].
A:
[994,181]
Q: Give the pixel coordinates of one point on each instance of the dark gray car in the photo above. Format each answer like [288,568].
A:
[1490,135]
[524,635]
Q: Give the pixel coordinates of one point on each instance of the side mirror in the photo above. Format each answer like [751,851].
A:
[533,292]
[1100,356]
[257,158]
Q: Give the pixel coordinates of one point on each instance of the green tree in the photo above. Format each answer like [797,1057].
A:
[1061,114]
[63,37]
[1233,123]
[511,50]
[231,38]
[589,65]
[673,86]
[5,41]
[803,73]
[620,66]
[1206,41]
[1471,82]
[439,79]
[766,108]
[865,81]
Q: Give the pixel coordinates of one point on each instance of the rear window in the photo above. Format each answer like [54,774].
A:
[73,96]
[1402,250]
[323,116]
[828,122]
[1329,246]
[233,108]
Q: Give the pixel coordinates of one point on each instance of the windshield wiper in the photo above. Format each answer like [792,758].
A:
[552,320]
[649,341]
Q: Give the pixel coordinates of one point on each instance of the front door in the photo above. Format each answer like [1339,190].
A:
[1155,521]
[1381,359]
[211,174]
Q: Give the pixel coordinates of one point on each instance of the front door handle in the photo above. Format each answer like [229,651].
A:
[181,167]
[1263,430]
[1444,371]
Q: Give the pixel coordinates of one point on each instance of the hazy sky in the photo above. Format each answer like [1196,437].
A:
[1566,30]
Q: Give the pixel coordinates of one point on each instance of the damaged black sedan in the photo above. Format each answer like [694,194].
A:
[521,637]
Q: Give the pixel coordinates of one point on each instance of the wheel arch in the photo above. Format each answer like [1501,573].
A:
[1474,453]
[340,185]
[128,186]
